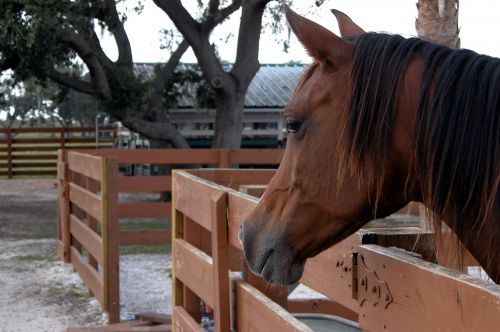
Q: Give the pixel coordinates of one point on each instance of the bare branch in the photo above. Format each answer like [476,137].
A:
[162,75]
[182,20]
[217,16]
[69,81]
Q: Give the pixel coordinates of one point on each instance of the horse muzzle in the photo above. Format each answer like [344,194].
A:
[267,256]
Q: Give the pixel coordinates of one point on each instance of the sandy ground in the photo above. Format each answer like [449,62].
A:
[40,293]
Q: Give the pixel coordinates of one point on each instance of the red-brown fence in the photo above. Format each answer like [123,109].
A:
[363,277]
[90,210]
[33,151]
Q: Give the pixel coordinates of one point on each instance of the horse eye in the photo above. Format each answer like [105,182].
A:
[293,125]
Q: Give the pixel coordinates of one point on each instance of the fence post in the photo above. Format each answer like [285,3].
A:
[224,158]
[177,225]
[63,176]
[9,152]
[220,258]
[62,137]
[110,236]
[92,186]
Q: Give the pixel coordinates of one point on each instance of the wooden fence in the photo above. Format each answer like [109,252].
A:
[363,277]
[33,151]
[90,208]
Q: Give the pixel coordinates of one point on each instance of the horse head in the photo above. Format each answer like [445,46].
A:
[313,201]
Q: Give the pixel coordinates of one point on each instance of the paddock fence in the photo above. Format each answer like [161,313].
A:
[33,151]
[93,206]
[370,277]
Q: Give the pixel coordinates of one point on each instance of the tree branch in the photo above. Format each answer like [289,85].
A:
[247,56]
[216,16]
[182,20]
[115,25]
[84,28]
[197,34]
[163,131]
[98,75]
[74,83]
[162,75]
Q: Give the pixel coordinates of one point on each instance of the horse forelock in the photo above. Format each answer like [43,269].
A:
[456,139]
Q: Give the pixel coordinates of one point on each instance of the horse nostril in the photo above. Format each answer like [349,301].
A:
[240,234]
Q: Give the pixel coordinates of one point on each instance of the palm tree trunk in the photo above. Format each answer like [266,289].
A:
[437,21]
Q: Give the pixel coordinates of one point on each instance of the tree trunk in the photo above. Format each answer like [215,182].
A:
[437,21]
[229,121]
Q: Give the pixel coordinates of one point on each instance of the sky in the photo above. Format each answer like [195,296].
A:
[479,22]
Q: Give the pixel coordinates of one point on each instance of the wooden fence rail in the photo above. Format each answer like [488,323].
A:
[384,289]
[90,210]
[33,151]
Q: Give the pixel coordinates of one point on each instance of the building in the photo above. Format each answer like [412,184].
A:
[268,93]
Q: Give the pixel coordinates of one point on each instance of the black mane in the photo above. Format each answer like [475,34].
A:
[456,132]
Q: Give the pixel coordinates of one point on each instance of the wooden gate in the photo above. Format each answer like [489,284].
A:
[88,229]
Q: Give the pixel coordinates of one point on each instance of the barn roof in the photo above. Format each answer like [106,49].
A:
[270,88]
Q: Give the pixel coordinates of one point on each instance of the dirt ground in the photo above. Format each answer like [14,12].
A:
[39,292]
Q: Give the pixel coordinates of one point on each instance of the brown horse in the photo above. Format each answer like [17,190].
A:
[377,121]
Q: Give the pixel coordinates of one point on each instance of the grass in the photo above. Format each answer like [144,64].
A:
[31,258]
[143,249]
[145,224]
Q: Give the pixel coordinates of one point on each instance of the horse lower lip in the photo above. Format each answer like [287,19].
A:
[265,260]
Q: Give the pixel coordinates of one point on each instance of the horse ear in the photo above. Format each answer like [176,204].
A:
[346,26]
[319,42]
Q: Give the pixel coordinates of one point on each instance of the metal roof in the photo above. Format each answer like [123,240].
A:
[271,87]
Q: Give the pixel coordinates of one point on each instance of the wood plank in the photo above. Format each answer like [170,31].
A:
[144,210]
[87,237]
[34,164]
[145,237]
[162,156]
[57,129]
[119,327]
[89,275]
[239,206]
[425,296]
[256,156]
[60,249]
[194,269]
[184,322]
[39,140]
[111,238]
[336,263]
[144,183]
[64,205]
[220,256]
[255,190]
[37,156]
[35,148]
[85,164]
[255,312]
[154,317]
[87,201]
[230,175]
[31,172]
[193,197]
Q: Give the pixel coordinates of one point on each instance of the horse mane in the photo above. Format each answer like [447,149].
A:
[456,143]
